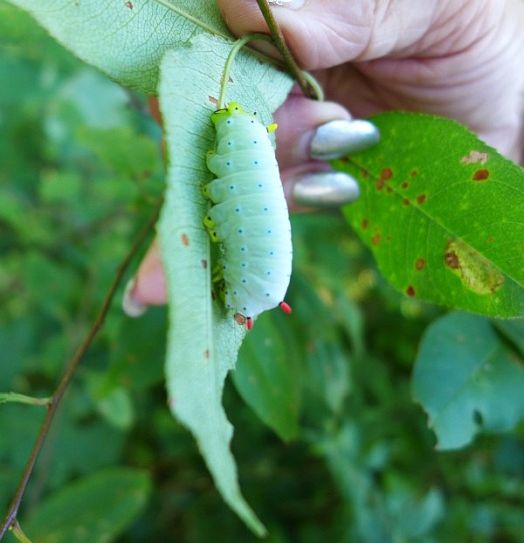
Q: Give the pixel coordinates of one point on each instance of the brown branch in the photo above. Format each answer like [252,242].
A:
[69,373]
[280,42]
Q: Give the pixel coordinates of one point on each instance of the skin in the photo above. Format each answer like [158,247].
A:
[460,59]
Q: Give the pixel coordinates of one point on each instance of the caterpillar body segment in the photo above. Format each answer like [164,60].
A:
[220,190]
[249,215]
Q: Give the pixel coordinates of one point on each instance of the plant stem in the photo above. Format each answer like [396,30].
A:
[280,42]
[69,373]
[18,533]
[241,42]
[14,397]
[230,59]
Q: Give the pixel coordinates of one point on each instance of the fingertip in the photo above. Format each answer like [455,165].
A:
[148,286]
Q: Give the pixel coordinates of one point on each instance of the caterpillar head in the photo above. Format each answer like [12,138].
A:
[220,114]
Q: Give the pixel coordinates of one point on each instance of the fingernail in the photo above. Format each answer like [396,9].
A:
[325,189]
[130,306]
[293,4]
[338,138]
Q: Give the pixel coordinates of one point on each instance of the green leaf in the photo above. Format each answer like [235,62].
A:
[126,39]
[203,340]
[268,375]
[513,330]
[467,380]
[442,213]
[95,509]
[328,373]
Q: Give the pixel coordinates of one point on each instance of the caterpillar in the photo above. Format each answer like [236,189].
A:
[248,215]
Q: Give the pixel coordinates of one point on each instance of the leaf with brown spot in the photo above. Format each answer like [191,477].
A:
[483,268]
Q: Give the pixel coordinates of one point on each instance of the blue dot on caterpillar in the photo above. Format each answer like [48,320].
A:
[248,216]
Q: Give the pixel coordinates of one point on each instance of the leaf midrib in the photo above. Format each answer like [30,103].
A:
[197,22]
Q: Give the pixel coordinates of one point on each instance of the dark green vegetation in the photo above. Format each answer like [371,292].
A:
[80,171]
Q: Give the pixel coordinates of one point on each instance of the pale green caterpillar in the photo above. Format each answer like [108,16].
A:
[249,215]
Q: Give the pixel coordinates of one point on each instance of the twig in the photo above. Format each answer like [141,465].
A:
[280,42]
[7,397]
[71,367]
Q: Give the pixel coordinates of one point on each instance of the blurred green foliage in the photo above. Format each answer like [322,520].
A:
[80,169]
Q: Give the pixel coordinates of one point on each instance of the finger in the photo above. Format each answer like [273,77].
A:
[298,119]
[325,33]
[148,287]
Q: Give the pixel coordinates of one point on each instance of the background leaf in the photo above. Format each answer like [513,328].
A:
[467,380]
[442,213]
[267,375]
[203,340]
[94,509]
[126,39]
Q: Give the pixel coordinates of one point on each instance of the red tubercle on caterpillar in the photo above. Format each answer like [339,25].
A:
[249,323]
[286,308]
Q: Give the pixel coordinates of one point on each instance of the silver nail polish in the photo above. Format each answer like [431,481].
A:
[325,189]
[294,4]
[338,138]
[131,307]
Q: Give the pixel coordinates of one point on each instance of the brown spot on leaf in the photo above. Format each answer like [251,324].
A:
[475,157]
[420,264]
[185,240]
[410,291]
[389,189]
[421,198]
[206,353]
[451,260]
[481,175]
[204,263]
[380,184]
[364,173]
[364,224]
[475,271]
[213,100]
[386,173]
[404,185]
[490,239]
[375,240]
[129,5]
[406,202]
[413,173]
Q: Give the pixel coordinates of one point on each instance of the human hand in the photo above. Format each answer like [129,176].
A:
[458,59]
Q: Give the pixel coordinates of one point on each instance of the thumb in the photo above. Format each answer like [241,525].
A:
[325,33]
